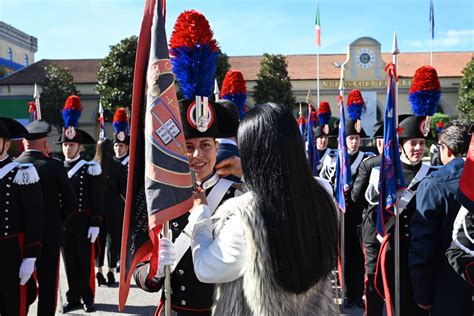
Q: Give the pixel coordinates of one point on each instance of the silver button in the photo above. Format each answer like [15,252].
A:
[80,193]
[6,211]
[7,226]
[175,224]
[6,218]
[406,226]
[8,185]
[80,188]
[80,182]
[228,191]
[183,302]
[6,202]
[405,216]
[9,178]
[180,272]
[407,235]
[7,194]
[6,234]
[183,288]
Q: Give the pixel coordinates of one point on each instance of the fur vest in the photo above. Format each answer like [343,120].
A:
[257,292]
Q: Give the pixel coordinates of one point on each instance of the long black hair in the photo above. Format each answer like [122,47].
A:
[103,154]
[299,215]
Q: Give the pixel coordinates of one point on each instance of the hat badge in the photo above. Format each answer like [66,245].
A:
[121,136]
[70,133]
[200,115]
[425,126]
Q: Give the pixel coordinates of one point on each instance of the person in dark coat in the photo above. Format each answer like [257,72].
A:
[325,153]
[114,176]
[228,119]
[373,302]
[60,203]
[83,228]
[436,286]
[21,223]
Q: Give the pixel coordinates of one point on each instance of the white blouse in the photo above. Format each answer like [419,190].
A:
[218,260]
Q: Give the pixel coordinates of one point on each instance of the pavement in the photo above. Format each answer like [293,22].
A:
[139,302]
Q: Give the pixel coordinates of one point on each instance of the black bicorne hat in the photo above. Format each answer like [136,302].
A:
[318,132]
[188,111]
[412,126]
[38,129]
[11,128]
[351,129]
[75,135]
[378,127]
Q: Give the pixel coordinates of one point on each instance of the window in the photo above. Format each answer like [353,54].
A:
[9,53]
[25,60]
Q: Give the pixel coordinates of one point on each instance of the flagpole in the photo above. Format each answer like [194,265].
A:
[36,95]
[317,66]
[395,52]
[318,45]
[166,233]
[343,220]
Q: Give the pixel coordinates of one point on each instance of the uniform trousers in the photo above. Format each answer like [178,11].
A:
[110,239]
[79,261]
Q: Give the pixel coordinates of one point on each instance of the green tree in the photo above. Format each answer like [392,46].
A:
[273,83]
[466,92]
[223,67]
[57,86]
[115,76]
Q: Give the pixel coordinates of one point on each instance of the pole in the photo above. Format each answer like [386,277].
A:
[431,54]
[36,95]
[216,90]
[395,52]
[343,217]
[166,233]
[317,75]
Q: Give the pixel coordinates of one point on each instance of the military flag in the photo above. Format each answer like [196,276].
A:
[159,181]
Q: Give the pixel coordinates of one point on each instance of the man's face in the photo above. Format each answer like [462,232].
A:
[413,149]
[322,142]
[120,149]
[353,143]
[4,146]
[202,154]
[70,150]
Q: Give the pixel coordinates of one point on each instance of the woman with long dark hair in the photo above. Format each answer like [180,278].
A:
[115,185]
[271,250]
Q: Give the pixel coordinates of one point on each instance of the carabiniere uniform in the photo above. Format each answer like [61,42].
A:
[78,250]
[60,202]
[21,221]
[413,174]
[189,295]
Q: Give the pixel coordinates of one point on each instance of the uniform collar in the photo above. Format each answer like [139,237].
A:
[210,181]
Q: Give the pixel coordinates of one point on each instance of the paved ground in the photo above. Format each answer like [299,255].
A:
[139,302]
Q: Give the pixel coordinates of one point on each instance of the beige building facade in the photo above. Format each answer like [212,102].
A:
[17,49]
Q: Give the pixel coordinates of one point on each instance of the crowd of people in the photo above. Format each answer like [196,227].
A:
[264,234]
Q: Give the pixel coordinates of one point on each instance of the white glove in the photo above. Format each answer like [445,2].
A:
[166,256]
[26,270]
[93,233]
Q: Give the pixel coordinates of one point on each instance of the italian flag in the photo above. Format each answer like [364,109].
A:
[318,28]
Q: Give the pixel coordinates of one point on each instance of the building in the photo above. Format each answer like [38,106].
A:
[17,49]
[363,66]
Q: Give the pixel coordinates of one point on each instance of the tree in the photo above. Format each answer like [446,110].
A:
[273,83]
[57,86]
[115,76]
[466,92]
[223,67]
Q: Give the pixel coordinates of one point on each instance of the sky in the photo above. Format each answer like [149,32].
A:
[78,29]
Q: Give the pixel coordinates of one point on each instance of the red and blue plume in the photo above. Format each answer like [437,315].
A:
[439,126]
[234,89]
[194,52]
[425,91]
[72,111]
[324,113]
[355,104]
[120,121]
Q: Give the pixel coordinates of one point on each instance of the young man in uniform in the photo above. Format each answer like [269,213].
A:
[436,286]
[83,228]
[121,137]
[59,204]
[21,223]
[371,246]
[326,155]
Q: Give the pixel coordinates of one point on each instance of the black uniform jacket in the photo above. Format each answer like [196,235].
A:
[90,196]
[115,187]
[188,291]
[60,202]
[21,223]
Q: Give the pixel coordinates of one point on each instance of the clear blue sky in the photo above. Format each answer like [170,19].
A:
[85,28]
